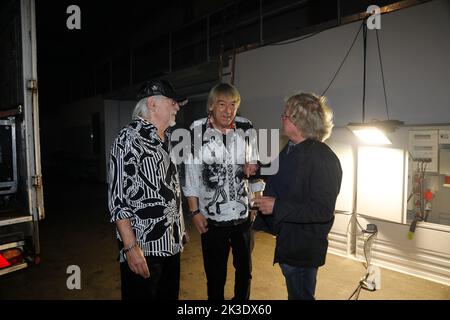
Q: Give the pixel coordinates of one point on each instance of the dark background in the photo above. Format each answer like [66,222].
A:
[123,43]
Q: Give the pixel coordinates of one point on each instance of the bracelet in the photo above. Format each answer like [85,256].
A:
[126,250]
[194,213]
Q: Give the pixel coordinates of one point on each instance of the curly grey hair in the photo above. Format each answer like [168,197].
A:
[311,115]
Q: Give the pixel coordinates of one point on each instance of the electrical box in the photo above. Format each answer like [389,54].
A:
[423,146]
[444,137]
[444,152]
[444,159]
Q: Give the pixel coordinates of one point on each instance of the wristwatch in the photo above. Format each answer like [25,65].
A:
[194,213]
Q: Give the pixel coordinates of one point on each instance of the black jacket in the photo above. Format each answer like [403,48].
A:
[306,187]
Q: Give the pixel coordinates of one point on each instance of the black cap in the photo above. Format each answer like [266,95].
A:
[160,88]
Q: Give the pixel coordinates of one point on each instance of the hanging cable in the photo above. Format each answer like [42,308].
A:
[368,248]
[345,58]
[233,61]
[382,75]
[296,40]
[364,71]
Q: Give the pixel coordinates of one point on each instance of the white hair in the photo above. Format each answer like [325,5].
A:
[140,110]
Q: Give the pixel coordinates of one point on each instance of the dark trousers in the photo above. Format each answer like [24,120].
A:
[163,284]
[300,282]
[216,244]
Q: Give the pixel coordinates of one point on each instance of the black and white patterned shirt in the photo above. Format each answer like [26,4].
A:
[144,187]
[217,179]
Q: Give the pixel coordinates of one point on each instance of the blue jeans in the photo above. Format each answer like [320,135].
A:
[300,281]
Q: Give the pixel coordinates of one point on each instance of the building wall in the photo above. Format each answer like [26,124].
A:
[81,140]
[415,44]
[117,115]
[78,143]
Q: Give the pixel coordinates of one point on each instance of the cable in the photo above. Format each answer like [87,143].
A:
[364,283]
[357,291]
[368,248]
[296,40]
[364,72]
[359,287]
[382,75]
[345,58]
[353,217]
[358,224]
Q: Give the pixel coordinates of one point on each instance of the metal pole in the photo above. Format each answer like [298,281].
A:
[364,72]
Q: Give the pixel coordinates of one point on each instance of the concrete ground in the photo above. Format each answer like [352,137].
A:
[76,231]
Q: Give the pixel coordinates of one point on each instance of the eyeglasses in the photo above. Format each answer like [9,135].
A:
[284,116]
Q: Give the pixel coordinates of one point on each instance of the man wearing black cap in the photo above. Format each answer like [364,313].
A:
[144,197]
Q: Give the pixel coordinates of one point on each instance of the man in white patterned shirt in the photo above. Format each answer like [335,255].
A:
[144,197]
[217,191]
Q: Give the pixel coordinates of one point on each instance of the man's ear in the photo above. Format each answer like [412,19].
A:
[210,108]
[151,103]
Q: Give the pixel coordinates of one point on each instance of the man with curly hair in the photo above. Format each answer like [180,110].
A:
[299,200]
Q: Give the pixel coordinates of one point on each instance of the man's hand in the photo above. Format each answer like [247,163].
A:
[250,169]
[137,263]
[135,257]
[265,204]
[200,223]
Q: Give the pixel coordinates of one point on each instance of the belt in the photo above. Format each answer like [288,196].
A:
[228,223]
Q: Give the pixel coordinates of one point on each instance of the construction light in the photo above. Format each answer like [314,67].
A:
[374,132]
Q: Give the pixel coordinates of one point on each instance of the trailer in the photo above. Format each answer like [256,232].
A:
[21,188]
